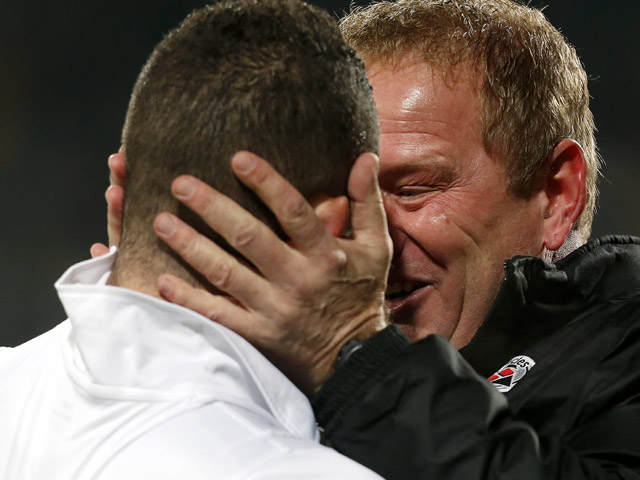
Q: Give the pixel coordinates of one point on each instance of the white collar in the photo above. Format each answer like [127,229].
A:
[127,344]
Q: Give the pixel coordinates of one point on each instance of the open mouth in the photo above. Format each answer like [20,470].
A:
[399,290]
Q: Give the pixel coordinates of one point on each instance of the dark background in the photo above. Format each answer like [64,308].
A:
[66,72]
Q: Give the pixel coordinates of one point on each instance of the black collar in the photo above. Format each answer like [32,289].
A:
[537,298]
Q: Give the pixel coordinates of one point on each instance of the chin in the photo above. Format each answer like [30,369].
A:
[413,332]
[416,331]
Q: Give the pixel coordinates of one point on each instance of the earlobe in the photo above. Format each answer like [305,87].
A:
[334,213]
[565,188]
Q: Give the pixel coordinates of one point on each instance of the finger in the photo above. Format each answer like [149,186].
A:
[117,169]
[115,204]
[368,217]
[294,213]
[254,240]
[214,307]
[220,309]
[220,268]
[334,214]
[98,249]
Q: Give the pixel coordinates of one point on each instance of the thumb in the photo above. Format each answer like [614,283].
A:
[368,217]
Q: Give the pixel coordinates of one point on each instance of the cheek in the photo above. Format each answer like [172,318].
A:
[517,229]
[439,227]
[482,221]
[463,219]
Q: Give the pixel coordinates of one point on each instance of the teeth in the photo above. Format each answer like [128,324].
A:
[402,287]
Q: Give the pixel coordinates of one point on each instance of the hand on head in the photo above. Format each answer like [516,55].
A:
[115,200]
[305,298]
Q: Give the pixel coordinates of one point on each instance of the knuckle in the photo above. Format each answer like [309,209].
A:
[303,292]
[204,203]
[221,275]
[289,311]
[184,242]
[336,260]
[244,234]
[295,211]
[309,291]
[213,314]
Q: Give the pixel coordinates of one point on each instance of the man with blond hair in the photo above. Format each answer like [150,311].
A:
[526,338]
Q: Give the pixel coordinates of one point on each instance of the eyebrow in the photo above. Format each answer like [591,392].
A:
[427,164]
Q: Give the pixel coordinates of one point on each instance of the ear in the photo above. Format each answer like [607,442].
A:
[333,212]
[565,189]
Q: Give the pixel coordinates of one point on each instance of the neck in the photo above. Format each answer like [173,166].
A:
[139,269]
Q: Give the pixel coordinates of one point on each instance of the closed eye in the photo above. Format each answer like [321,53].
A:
[416,191]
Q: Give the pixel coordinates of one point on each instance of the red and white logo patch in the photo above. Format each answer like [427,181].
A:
[508,376]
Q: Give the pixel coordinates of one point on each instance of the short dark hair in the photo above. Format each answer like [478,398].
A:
[270,76]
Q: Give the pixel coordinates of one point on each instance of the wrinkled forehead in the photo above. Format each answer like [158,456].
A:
[407,78]
[420,105]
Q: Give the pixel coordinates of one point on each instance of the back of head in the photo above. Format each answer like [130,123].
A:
[533,89]
[271,76]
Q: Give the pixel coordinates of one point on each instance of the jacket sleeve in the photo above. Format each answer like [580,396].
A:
[421,412]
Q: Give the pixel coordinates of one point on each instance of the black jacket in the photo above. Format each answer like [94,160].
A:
[427,411]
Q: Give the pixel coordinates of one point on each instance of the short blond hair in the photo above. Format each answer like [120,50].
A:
[533,88]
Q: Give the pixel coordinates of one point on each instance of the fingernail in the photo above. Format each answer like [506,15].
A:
[165,287]
[184,188]
[95,250]
[243,162]
[165,225]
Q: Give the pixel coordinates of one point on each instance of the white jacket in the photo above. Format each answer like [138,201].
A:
[134,387]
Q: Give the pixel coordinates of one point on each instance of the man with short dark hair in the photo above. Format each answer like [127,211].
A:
[488,170]
[132,386]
